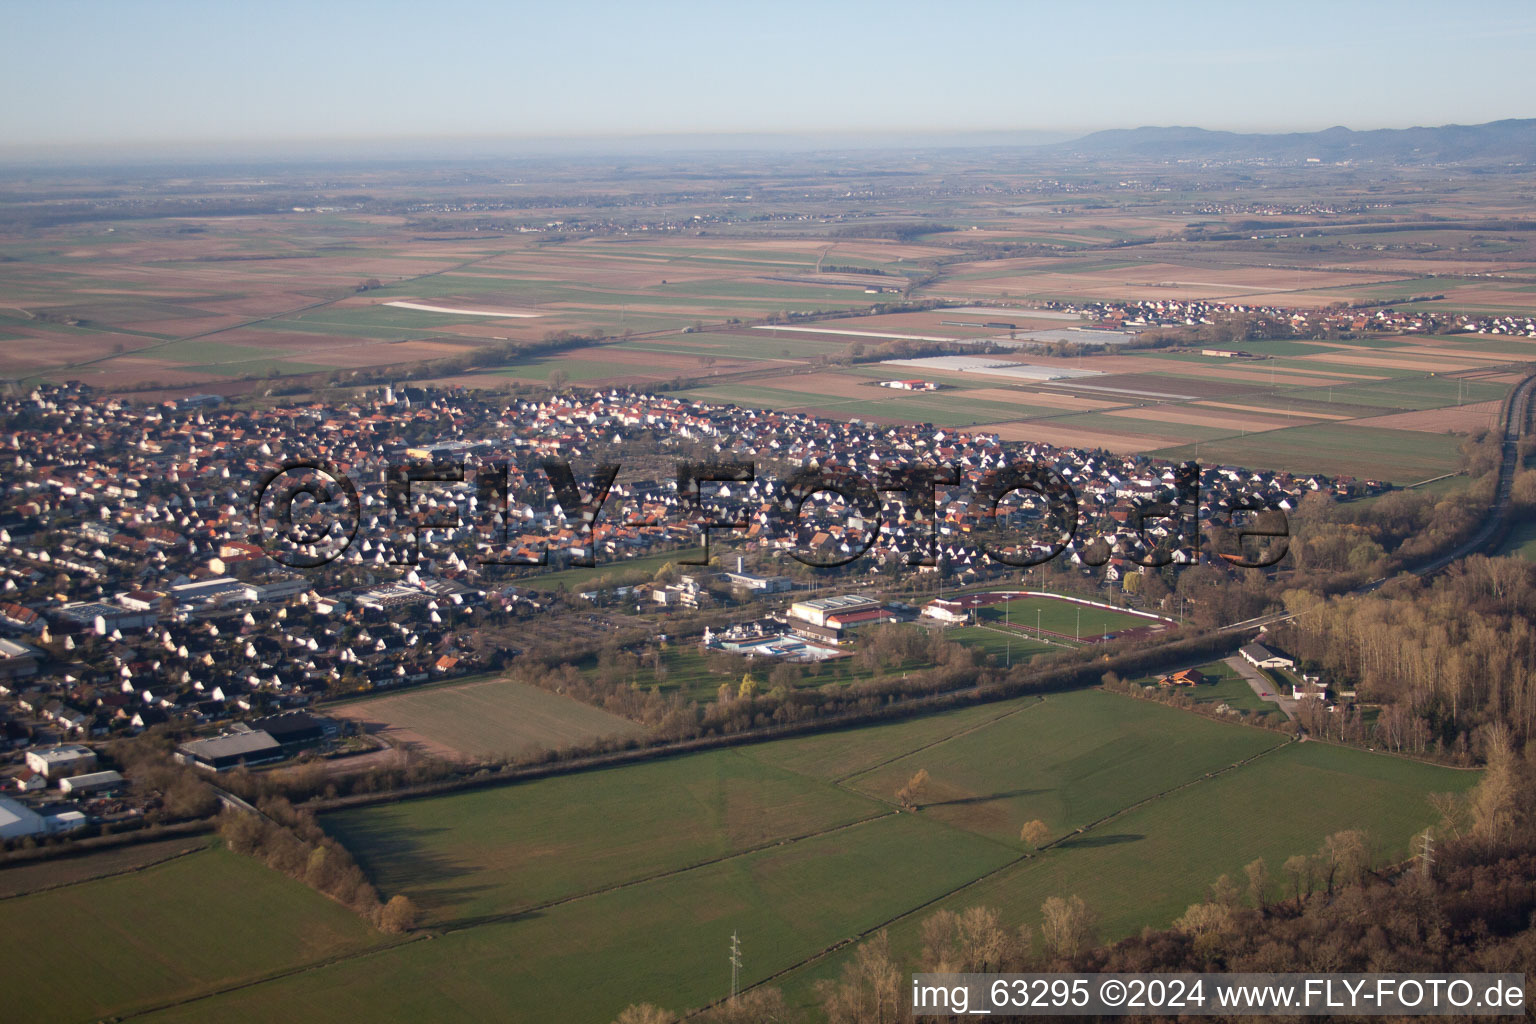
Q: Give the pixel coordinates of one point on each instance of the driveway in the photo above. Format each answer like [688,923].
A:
[1263,688]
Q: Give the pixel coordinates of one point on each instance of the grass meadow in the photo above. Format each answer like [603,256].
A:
[795,845]
[175,930]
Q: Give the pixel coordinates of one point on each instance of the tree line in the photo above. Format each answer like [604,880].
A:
[290,840]
[1448,659]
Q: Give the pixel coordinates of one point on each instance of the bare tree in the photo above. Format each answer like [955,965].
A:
[1225,892]
[972,941]
[1067,926]
[1493,801]
[870,989]
[1034,834]
[1345,856]
[912,792]
[755,1006]
[1299,870]
[1452,808]
[1258,884]
[1203,919]
[397,916]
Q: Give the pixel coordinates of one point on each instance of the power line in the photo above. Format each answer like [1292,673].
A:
[735,965]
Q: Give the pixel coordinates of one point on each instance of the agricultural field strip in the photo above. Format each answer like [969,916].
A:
[767,844]
[373,943]
[277,975]
[1037,702]
[258,320]
[192,846]
[632,883]
[512,913]
[829,403]
[277,322]
[844,943]
[1083,830]
[672,872]
[505,315]
[291,352]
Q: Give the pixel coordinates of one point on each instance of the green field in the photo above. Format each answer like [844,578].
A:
[52,872]
[838,756]
[1069,761]
[1145,867]
[1064,617]
[689,672]
[1229,688]
[939,409]
[798,846]
[577,370]
[660,942]
[210,352]
[641,568]
[488,718]
[192,925]
[503,851]
[1521,541]
[1375,453]
[1405,394]
[262,368]
[1003,646]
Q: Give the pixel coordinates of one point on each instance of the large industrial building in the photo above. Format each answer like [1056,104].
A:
[17,821]
[816,611]
[221,753]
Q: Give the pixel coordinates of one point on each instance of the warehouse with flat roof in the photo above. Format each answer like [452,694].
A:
[816,611]
[64,759]
[17,821]
[221,753]
[95,782]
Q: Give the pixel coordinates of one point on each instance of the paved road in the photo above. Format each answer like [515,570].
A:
[1263,688]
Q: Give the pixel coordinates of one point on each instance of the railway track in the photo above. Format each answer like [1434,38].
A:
[1516,420]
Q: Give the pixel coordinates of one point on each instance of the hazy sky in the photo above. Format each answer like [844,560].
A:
[159,71]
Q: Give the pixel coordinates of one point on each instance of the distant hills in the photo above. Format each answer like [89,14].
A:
[1512,140]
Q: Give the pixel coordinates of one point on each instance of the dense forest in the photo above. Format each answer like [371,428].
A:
[1448,659]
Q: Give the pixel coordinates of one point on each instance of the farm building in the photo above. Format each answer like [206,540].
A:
[1260,656]
[910,385]
[65,759]
[221,753]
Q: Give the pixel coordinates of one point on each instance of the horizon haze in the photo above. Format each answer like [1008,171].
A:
[169,74]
